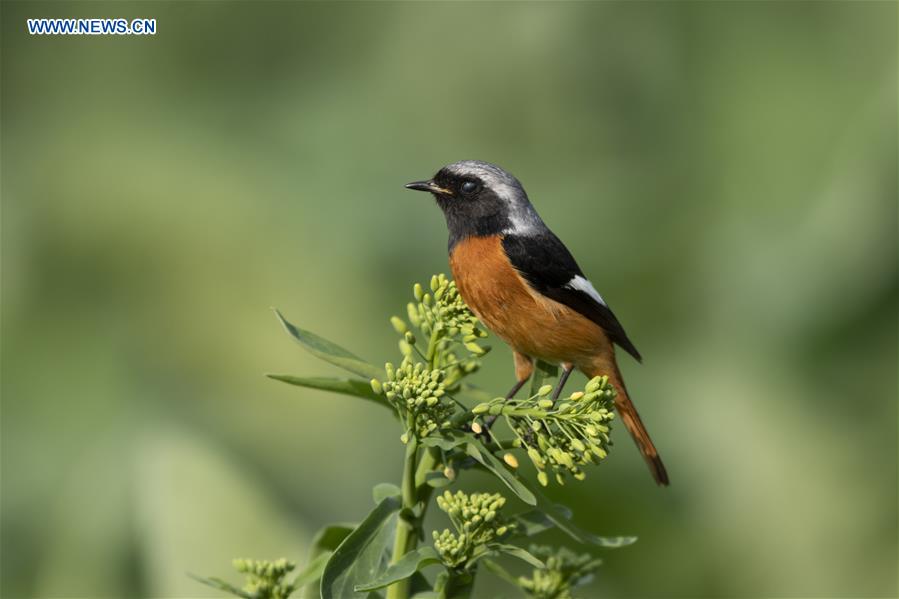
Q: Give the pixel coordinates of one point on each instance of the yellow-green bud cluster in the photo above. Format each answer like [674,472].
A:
[443,306]
[560,437]
[477,521]
[418,394]
[265,579]
[444,320]
[564,570]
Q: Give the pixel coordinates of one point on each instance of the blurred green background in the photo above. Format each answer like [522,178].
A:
[724,172]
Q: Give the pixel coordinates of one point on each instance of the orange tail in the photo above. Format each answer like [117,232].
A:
[635,427]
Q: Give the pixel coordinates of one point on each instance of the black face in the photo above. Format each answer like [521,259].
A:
[462,187]
[471,207]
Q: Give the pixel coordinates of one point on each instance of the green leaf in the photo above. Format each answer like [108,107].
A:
[352,387]
[520,553]
[324,543]
[501,572]
[407,565]
[542,372]
[359,556]
[330,352]
[476,449]
[536,521]
[329,538]
[553,515]
[609,542]
[313,570]
[448,441]
[218,583]
[560,518]
[382,491]
[532,523]
[419,584]
[437,480]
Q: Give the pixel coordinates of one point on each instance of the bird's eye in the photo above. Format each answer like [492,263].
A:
[469,187]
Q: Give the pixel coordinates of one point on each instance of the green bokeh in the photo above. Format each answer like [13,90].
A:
[724,172]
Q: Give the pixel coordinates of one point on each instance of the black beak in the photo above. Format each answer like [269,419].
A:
[428,186]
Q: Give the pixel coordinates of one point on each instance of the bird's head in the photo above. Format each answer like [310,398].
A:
[479,198]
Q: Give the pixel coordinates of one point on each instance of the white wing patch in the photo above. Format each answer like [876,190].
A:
[581,284]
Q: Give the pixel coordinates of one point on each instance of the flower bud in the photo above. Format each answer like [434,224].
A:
[510,460]
[412,313]
[475,349]
[536,458]
[398,324]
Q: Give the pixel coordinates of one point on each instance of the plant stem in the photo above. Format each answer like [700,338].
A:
[432,348]
[406,536]
[428,460]
[458,584]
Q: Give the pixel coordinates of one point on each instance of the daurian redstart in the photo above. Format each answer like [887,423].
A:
[524,284]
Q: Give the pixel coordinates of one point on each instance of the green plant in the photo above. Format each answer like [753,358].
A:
[441,346]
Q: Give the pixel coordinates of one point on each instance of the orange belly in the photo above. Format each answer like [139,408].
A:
[529,322]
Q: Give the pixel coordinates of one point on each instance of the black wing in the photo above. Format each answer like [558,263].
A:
[545,263]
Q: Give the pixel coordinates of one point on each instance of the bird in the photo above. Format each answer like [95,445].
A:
[521,281]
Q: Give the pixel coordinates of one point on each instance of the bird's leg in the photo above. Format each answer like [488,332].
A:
[524,368]
[516,388]
[566,372]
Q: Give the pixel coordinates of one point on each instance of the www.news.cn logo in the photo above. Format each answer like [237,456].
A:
[92,26]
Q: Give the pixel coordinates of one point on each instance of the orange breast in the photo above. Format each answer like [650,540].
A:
[522,317]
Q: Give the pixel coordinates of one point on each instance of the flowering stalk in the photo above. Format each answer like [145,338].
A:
[560,437]
[563,571]
[441,345]
[419,393]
